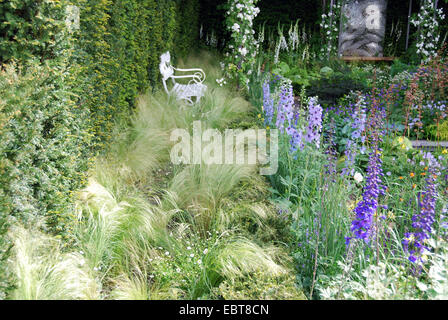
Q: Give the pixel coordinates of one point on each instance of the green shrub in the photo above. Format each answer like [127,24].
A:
[43,143]
[60,88]
[28,28]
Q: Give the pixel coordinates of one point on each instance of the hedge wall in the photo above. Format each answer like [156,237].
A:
[61,91]
[96,71]
[119,46]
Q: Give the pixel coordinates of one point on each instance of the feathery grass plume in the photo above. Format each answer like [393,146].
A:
[43,272]
[202,187]
[106,184]
[101,221]
[261,286]
[240,256]
[136,152]
[138,287]
[230,257]
[217,109]
[146,228]
[231,215]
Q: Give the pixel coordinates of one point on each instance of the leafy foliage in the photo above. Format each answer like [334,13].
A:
[28,28]
[43,143]
[335,86]
[62,88]
[119,44]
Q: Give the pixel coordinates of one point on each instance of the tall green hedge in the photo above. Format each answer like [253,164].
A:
[61,91]
[69,86]
[119,46]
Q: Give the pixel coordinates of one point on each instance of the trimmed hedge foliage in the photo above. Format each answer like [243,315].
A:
[61,90]
[74,85]
[119,47]
[28,28]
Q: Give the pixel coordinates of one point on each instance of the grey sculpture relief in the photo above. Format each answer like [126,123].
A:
[363,25]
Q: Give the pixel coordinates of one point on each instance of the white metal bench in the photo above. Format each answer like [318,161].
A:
[186,92]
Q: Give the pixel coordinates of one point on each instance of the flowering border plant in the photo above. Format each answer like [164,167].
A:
[330,28]
[428,22]
[242,47]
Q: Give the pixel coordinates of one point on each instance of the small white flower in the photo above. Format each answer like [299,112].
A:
[236,27]
[243,51]
[358,177]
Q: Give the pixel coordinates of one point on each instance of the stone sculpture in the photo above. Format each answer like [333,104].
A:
[363,24]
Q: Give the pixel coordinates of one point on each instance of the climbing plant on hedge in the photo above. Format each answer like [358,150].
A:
[44,145]
[243,47]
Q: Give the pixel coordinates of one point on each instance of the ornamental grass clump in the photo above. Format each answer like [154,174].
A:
[242,48]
